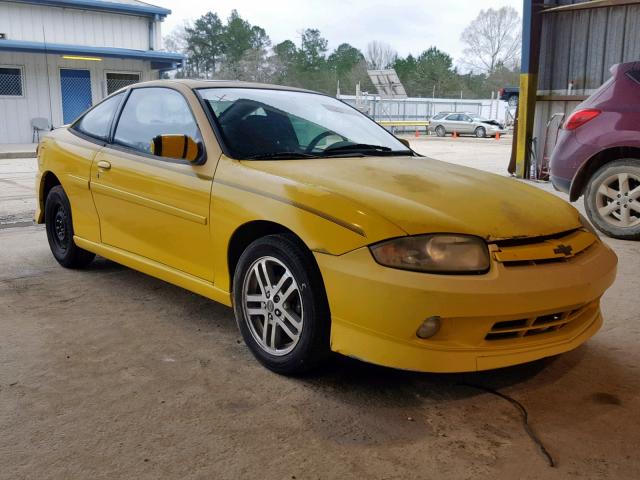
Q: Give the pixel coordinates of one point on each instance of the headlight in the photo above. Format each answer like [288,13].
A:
[438,253]
[587,225]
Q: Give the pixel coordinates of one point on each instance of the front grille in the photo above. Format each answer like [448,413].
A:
[563,247]
[540,325]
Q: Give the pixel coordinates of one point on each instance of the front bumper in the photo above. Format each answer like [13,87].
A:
[376,310]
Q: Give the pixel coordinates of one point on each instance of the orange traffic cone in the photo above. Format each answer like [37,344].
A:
[498,136]
[417,133]
[455,134]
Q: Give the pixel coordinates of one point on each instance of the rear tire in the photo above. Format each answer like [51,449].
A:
[440,131]
[481,132]
[283,316]
[610,201]
[513,101]
[59,226]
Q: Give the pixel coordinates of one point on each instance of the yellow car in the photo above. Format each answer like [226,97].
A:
[321,229]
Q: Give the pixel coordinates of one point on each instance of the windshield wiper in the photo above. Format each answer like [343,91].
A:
[357,146]
[362,148]
[281,156]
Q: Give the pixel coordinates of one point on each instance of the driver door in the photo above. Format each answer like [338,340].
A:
[151,206]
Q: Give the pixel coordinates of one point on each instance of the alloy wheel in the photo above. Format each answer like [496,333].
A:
[272,306]
[617,200]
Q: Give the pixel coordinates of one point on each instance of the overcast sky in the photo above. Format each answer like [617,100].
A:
[412,27]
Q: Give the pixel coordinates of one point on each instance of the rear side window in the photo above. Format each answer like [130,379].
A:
[634,75]
[439,116]
[150,112]
[97,121]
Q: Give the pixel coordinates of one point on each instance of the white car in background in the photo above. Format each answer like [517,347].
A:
[465,124]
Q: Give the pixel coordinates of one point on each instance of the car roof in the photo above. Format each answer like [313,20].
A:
[461,113]
[195,84]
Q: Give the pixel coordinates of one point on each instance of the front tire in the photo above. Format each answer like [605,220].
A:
[59,226]
[280,305]
[440,131]
[481,132]
[612,199]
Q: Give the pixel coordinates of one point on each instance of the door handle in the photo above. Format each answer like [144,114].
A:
[104,165]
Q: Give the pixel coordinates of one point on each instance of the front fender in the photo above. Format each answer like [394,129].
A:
[326,222]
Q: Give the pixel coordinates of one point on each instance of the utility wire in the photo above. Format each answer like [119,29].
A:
[525,419]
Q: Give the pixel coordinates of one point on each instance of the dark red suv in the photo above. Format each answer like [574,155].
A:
[598,154]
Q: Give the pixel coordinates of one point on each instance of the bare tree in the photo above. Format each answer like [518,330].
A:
[380,55]
[493,39]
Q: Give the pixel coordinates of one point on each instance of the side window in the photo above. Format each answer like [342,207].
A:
[453,118]
[439,116]
[97,121]
[150,112]
[466,118]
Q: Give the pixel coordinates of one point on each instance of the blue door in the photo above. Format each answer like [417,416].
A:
[75,88]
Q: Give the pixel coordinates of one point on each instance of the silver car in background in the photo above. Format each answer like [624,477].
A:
[465,124]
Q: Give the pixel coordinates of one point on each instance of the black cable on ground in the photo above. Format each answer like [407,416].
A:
[525,419]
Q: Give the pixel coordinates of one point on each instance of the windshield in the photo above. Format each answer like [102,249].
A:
[271,124]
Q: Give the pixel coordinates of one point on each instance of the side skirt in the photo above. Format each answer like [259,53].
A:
[158,270]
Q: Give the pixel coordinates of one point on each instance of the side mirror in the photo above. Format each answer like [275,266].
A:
[405,142]
[177,146]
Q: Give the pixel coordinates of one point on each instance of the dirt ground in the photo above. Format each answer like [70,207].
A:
[107,373]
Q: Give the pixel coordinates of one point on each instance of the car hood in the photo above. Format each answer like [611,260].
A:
[422,195]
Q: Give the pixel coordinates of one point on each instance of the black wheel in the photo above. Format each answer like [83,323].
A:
[612,199]
[481,132]
[440,131]
[513,101]
[280,305]
[57,217]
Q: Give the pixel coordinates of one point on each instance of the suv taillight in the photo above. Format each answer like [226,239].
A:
[580,117]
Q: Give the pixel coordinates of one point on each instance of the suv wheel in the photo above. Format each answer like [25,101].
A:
[440,131]
[612,199]
[280,305]
[59,226]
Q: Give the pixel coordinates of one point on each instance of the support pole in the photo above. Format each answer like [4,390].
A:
[531,28]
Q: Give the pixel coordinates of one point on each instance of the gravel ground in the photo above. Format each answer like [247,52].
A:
[108,373]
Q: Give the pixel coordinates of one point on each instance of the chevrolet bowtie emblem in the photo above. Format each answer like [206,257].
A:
[563,249]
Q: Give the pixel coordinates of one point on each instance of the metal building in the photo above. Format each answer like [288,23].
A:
[568,49]
[58,57]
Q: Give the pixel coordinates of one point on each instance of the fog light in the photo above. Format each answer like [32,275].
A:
[429,327]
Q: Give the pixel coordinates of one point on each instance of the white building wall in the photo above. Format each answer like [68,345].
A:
[41,85]
[74,26]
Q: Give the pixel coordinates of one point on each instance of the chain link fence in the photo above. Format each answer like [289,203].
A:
[419,109]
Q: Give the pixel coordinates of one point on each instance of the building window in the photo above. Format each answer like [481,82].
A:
[116,81]
[11,82]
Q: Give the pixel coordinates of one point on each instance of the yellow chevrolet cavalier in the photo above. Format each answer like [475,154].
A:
[321,229]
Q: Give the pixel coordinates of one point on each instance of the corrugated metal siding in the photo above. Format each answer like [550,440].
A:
[580,46]
[73,26]
[16,113]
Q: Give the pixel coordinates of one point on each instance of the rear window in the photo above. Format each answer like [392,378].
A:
[634,75]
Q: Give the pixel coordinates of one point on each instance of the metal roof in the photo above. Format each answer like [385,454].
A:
[133,7]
